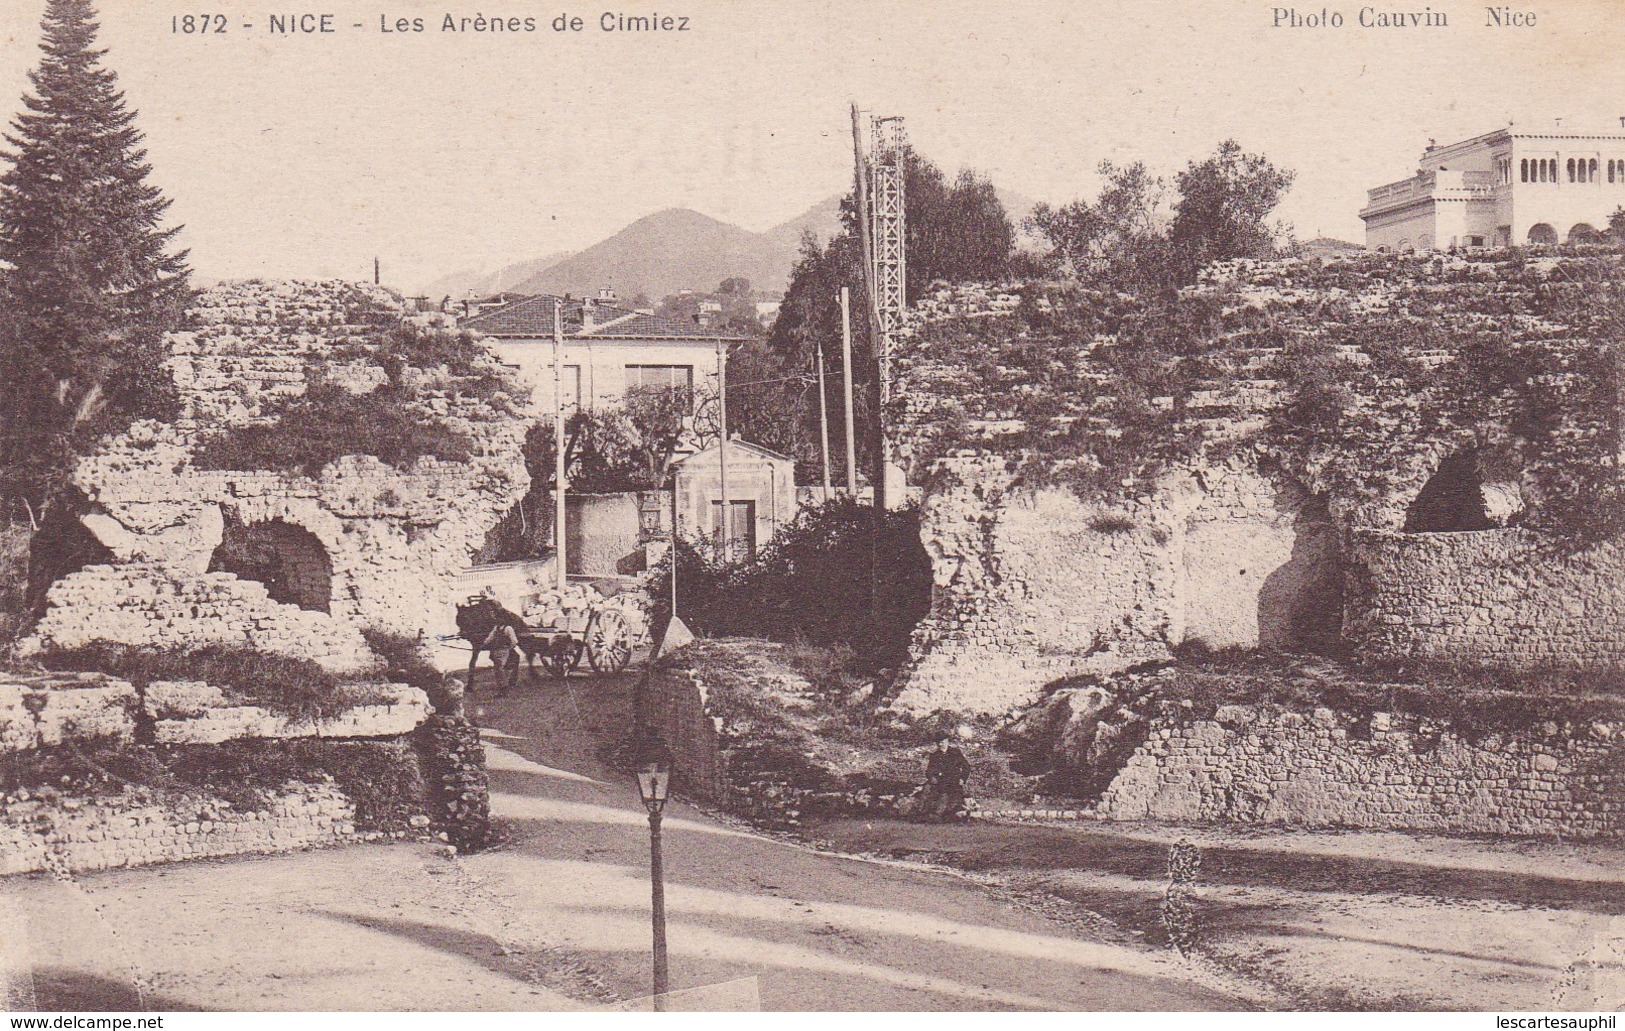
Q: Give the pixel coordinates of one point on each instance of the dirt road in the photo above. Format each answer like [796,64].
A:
[559,917]
[1329,919]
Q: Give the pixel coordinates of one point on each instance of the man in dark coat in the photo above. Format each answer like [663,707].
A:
[945,775]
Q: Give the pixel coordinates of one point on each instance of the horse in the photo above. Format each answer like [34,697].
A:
[490,627]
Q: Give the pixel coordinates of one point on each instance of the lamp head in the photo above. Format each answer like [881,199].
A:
[654,775]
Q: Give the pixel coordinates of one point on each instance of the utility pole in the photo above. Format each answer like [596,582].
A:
[846,376]
[722,447]
[823,418]
[560,572]
[860,175]
[377,272]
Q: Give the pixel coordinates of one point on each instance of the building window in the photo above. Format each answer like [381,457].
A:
[1523,170]
[1475,241]
[1610,170]
[661,377]
[569,384]
[1571,170]
[1591,167]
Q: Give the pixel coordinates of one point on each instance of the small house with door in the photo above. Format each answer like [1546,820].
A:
[761,496]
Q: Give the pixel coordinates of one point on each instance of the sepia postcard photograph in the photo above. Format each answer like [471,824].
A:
[811,505]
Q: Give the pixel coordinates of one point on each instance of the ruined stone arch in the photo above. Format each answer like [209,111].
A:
[287,558]
[1452,500]
[1261,566]
[1542,233]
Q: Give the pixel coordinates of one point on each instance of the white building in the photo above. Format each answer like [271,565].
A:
[608,350]
[1512,186]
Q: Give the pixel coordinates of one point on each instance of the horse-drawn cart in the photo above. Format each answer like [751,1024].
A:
[599,634]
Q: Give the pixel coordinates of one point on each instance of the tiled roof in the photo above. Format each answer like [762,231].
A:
[533,317]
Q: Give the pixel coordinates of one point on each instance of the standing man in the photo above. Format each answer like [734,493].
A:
[945,775]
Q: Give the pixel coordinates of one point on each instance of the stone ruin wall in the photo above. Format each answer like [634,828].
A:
[1033,585]
[1499,597]
[1255,764]
[42,832]
[390,541]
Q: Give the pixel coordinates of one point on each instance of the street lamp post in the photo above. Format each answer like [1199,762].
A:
[654,784]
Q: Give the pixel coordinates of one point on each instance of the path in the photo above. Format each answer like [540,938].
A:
[559,918]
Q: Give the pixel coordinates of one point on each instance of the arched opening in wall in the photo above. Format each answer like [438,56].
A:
[1541,233]
[1584,232]
[1267,575]
[61,545]
[1452,501]
[289,560]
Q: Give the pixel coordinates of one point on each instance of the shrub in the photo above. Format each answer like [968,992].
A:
[406,661]
[826,578]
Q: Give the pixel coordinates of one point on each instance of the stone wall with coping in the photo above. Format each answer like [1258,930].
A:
[42,711]
[39,836]
[1254,764]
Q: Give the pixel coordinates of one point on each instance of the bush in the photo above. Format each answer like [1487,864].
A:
[406,661]
[296,688]
[824,579]
[326,423]
[14,547]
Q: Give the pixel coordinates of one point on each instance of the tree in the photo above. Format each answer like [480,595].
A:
[1223,203]
[957,232]
[1126,241]
[1122,230]
[627,446]
[1616,225]
[90,283]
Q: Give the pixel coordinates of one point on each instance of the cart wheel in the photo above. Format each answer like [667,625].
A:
[609,643]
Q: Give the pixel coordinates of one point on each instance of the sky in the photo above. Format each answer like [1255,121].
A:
[438,151]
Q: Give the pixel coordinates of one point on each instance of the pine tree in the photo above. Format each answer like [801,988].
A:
[89,283]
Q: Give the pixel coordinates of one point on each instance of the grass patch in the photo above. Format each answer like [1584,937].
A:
[298,689]
[327,422]
[1473,701]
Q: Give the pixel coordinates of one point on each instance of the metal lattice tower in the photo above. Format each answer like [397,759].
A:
[888,249]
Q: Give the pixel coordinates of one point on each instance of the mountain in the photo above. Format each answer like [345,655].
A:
[471,281]
[660,254]
[671,251]
[823,219]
